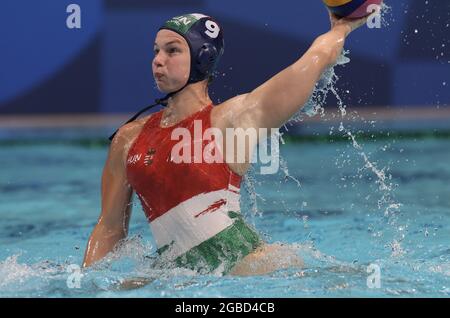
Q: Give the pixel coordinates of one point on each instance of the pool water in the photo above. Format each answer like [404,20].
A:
[350,212]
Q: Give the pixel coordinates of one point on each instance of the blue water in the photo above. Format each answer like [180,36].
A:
[339,216]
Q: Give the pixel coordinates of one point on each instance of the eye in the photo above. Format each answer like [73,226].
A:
[173,50]
[155,51]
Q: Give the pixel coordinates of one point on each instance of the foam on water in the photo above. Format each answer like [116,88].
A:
[127,267]
[22,279]
[12,272]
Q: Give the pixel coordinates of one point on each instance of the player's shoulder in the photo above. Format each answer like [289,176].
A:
[128,132]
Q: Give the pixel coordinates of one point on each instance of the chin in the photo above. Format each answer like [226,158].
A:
[165,89]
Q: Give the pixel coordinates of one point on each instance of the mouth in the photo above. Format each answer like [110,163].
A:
[158,76]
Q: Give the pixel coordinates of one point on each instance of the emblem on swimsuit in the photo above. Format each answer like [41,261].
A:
[148,159]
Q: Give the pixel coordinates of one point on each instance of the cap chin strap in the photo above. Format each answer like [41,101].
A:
[159,101]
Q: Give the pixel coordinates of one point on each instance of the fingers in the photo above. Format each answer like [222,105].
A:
[352,24]
[359,22]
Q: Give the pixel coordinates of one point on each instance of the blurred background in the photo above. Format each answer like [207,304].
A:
[105,66]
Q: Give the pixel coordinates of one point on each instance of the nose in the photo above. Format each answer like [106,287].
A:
[158,60]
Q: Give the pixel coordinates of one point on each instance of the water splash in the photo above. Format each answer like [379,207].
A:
[12,272]
[131,263]
[131,251]
[250,190]
[386,15]
[325,87]
[18,278]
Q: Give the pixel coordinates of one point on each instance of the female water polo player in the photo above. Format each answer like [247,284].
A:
[193,207]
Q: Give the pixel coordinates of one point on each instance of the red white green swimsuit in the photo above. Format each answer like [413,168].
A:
[193,208]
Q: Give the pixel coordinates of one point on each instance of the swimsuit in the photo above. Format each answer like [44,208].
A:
[193,207]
